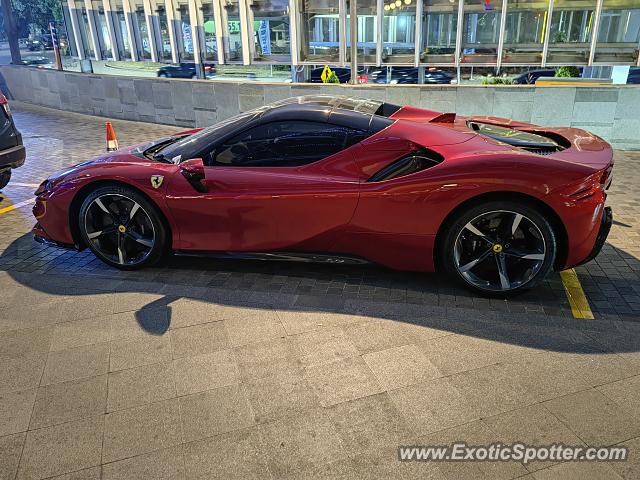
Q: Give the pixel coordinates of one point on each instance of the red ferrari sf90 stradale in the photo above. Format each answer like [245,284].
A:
[495,203]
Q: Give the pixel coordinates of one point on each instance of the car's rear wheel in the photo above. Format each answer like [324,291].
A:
[4,178]
[122,227]
[499,247]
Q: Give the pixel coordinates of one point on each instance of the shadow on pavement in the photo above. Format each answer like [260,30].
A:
[419,300]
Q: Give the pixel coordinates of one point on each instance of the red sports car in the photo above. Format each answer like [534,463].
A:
[495,203]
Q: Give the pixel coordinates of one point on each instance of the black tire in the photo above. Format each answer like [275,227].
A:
[529,251]
[144,238]
[4,178]
[163,75]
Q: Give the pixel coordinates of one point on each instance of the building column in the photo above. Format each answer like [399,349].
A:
[221,28]
[594,32]
[151,29]
[342,33]
[293,32]
[131,29]
[77,36]
[503,22]
[196,27]
[108,16]
[459,36]
[379,24]
[93,29]
[246,32]
[418,34]
[547,33]
[171,25]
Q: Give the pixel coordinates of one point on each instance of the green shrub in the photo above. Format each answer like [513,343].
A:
[567,72]
[497,81]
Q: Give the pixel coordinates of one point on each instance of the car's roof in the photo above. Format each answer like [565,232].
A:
[338,109]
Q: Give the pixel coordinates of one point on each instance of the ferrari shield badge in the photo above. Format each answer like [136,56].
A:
[156,180]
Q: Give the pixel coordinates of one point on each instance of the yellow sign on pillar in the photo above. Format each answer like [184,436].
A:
[326,74]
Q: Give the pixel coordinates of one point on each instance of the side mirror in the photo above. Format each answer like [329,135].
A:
[193,171]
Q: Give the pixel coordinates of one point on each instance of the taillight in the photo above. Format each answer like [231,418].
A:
[362,78]
[5,105]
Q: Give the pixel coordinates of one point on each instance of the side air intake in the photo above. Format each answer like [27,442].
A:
[414,162]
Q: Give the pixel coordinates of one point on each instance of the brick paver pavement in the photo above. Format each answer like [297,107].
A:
[221,369]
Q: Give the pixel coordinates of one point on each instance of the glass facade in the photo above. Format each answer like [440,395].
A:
[271,30]
[232,31]
[319,30]
[619,32]
[439,30]
[524,31]
[571,31]
[480,31]
[483,34]
[367,31]
[399,31]
[119,21]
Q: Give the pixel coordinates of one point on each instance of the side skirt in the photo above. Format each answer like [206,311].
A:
[280,256]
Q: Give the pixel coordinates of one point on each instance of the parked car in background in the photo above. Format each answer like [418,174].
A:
[12,152]
[634,76]
[40,43]
[410,75]
[31,60]
[185,70]
[530,77]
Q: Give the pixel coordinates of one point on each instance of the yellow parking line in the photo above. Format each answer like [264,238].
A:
[16,205]
[577,299]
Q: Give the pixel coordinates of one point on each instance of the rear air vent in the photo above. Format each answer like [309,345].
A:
[412,163]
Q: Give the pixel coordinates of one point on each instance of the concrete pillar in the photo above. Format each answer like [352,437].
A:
[171,25]
[131,29]
[108,16]
[75,26]
[93,29]
[151,29]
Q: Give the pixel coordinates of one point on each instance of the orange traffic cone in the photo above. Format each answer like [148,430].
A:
[112,141]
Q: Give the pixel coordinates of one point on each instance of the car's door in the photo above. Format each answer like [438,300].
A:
[279,185]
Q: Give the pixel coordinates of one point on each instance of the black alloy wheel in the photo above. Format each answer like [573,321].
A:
[122,227]
[500,248]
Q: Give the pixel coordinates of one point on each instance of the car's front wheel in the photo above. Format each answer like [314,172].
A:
[122,227]
[4,178]
[499,247]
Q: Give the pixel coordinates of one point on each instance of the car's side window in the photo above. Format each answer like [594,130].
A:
[285,144]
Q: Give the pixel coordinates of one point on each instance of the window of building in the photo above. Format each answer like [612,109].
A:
[85,33]
[162,24]
[184,35]
[524,31]
[271,36]
[399,31]
[619,33]
[571,31]
[367,31]
[122,33]
[232,34]
[142,30]
[439,29]
[319,30]
[283,144]
[481,31]
[210,48]
[102,29]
